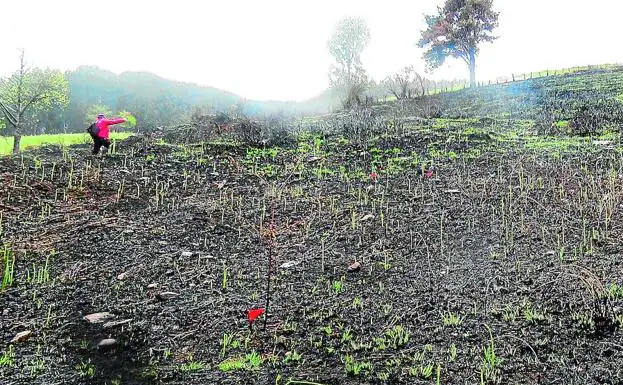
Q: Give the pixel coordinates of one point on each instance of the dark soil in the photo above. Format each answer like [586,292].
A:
[520,243]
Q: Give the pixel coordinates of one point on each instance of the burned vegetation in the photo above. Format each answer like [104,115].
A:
[478,244]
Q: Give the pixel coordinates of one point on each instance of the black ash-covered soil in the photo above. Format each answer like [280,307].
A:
[505,250]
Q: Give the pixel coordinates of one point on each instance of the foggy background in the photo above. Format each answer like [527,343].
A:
[272,50]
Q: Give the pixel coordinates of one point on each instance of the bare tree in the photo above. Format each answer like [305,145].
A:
[30,89]
[347,75]
[405,84]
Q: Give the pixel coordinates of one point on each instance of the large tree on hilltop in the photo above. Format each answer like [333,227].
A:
[456,31]
[28,90]
[350,37]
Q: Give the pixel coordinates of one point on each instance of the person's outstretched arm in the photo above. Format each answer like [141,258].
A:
[114,121]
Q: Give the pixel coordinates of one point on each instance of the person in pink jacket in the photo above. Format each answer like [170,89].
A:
[102,138]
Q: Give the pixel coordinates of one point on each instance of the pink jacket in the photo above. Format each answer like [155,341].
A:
[104,126]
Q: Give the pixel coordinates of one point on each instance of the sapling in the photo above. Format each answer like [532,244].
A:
[270,236]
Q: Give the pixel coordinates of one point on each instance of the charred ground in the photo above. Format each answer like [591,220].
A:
[504,266]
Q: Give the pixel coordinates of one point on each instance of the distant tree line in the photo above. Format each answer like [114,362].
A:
[152,100]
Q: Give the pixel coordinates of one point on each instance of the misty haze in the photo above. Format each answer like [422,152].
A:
[311,193]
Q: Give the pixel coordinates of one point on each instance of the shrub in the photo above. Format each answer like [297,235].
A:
[273,131]
[594,115]
[248,132]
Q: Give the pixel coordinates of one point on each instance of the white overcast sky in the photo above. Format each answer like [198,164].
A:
[276,49]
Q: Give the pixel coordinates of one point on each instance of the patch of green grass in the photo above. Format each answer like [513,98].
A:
[533,315]
[510,313]
[39,275]
[451,319]
[231,364]
[251,361]
[554,144]
[423,371]
[37,365]
[34,141]
[442,154]
[610,133]
[583,321]
[86,369]
[292,357]
[614,292]
[150,372]
[347,335]
[355,368]
[193,366]
[8,358]
[490,362]
[262,153]
[338,286]
[398,336]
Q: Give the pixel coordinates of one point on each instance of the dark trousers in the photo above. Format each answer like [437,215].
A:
[98,143]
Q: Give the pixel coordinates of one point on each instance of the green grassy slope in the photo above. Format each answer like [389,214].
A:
[34,141]
[560,96]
